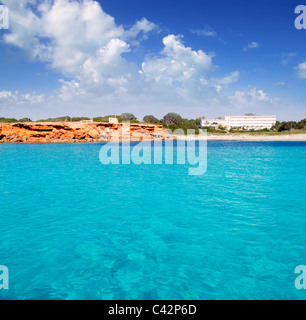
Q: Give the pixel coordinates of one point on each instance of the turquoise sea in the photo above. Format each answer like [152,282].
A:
[72,228]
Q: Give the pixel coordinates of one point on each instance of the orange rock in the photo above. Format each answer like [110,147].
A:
[77,132]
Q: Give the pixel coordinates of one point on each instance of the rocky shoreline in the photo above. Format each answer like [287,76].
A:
[69,132]
[78,132]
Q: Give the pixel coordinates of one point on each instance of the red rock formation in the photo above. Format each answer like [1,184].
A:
[78,132]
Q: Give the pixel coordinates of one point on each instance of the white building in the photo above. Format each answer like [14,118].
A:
[248,122]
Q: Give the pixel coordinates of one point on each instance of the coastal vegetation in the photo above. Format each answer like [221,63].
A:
[291,125]
[8,120]
[150,119]
[174,121]
[124,117]
[121,118]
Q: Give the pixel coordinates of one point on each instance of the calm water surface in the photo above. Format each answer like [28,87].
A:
[71,228]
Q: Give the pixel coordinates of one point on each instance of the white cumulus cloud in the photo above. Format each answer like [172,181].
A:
[252,96]
[16,97]
[301,70]
[87,48]
[177,63]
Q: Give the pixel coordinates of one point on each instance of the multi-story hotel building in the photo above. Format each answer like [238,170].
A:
[248,122]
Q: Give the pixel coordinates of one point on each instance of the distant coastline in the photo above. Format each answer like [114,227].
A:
[80,132]
[254,136]
[257,137]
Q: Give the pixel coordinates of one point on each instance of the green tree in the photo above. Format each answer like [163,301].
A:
[102,119]
[77,119]
[172,118]
[25,120]
[302,124]
[59,119]
[129,116]
[150,119]
[276,126]
[185,125]
[8,120]
[198,122]
[287,126]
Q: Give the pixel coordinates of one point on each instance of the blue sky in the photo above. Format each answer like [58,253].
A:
[197,58]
